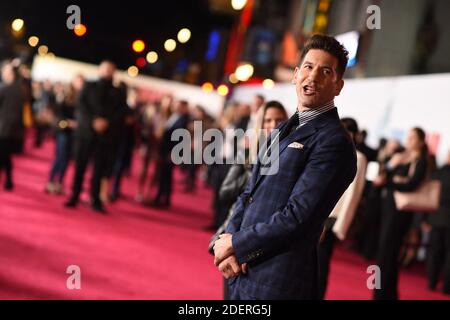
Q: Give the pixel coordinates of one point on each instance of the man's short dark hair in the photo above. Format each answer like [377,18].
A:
[330,45]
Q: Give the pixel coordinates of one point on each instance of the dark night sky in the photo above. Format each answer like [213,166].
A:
[112,26]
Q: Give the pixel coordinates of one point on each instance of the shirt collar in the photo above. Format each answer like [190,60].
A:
[306,116]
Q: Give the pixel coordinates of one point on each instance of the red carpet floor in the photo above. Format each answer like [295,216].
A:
[134,252]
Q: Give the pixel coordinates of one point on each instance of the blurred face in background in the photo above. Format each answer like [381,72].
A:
[47,85]
[229,116]
[272,119]
[78,83]
[244,110]
[199,113]
[257,104]
[106,70]
[36,88]
[8,74]
[60,92]
[132,98]
[391,146]
[182,107]
[166,102]
[413,142]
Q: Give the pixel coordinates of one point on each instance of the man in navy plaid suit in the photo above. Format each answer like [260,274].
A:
[270,248]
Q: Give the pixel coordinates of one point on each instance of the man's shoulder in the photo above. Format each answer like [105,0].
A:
[334,132]
[91,83]
[90,86]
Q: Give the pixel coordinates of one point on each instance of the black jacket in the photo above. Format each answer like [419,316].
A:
[64,112]
[167,144]
[441,219]
[12,99]
[100,99]
[234,183]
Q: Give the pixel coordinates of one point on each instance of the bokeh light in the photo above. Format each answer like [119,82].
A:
[33,41]
[133,71]
[138,46]
[152,57]
[207,87]
[17,25]
[184,35]
[268,84]
[223,90]
[238,4]
[141,62]
[80,30]
[43,50]
[170,45]
[244,72]
[232,78]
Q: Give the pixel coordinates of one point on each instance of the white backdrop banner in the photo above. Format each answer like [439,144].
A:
[385,107]
[64,70]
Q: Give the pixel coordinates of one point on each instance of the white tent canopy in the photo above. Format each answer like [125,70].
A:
[64,70]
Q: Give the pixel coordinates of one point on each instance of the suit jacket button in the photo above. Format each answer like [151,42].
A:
[250,200]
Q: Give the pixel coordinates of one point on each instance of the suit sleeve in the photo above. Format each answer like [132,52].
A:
[319,174]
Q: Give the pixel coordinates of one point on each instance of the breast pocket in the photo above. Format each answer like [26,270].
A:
[292,162]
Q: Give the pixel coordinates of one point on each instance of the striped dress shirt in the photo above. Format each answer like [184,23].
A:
[306,116]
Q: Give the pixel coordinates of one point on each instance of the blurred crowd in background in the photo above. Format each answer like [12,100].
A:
[107,123]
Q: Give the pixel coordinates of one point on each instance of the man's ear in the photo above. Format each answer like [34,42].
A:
[340,85]
[294,78]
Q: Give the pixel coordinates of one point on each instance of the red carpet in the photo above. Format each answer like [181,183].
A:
[133,252]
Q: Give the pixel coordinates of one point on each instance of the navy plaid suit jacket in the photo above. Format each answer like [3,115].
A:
[279,218]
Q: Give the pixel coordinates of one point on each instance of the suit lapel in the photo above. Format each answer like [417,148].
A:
[299,134]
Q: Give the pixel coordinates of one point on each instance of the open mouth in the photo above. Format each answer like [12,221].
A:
[309,90]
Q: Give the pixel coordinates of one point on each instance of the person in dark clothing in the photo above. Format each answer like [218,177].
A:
[125,148]
[12,99]
[244,112]
[178,120]
[405,172]
[361,146]
[199,115]
[65,124]
[100,115]
[25,78]
[44,112]
[438,255]
[343,215]
[368,234]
